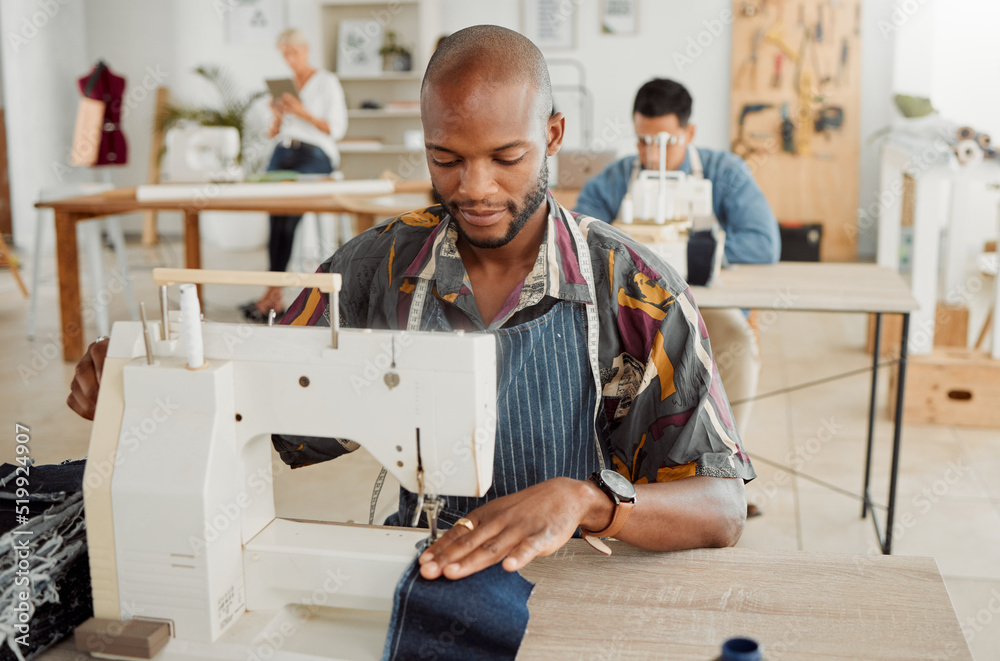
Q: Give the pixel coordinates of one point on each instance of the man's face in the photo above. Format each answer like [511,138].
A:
[649,154]
[486,149]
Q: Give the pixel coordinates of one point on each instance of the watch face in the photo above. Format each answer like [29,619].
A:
[617,483]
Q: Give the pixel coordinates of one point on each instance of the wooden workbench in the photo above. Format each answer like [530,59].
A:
[684,605]
[799,605]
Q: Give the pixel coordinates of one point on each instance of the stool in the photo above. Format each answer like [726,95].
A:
[89,235]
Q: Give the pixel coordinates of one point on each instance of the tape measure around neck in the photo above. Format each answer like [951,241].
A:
[593,328]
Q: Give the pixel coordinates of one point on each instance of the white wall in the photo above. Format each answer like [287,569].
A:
[878,61]
[966,62]
[616,66]
[43,54]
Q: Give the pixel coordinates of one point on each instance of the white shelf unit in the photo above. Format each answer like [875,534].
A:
[417,25]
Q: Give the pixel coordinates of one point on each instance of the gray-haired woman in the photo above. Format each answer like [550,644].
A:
[304,131]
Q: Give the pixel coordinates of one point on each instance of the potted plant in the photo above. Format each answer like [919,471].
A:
[395,56]
[228,230]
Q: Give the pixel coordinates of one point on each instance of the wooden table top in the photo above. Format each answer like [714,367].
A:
[123,200]
[806,606]
[684,605]
[808,286]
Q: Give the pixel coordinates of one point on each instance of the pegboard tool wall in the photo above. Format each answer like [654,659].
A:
[795,110]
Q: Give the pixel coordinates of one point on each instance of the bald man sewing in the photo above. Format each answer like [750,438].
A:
[499,255]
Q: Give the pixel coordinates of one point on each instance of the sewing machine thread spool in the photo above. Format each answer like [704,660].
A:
[627,213]
[191,327]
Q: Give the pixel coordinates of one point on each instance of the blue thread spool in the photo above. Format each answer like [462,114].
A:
[740,649]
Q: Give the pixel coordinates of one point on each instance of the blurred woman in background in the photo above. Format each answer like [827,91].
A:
[304,131]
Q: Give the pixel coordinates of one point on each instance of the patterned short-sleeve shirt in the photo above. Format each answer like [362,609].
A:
[662,395]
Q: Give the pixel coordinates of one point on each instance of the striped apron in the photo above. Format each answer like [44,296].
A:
[546,402]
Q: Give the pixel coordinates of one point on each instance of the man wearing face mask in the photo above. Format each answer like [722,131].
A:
[664,106]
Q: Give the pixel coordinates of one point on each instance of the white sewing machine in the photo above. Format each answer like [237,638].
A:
[202,153]
[178,492]
[662,208]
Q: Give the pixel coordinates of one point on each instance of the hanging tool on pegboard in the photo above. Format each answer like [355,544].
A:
[829,118]
[741,146]
[842,69]
[787,131]
[749,65]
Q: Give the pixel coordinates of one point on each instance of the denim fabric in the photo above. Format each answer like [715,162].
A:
[479,617]
[751,229]
[545,409]
[306,159]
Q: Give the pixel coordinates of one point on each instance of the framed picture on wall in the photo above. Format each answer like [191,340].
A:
[358,44]
[255,22]
[620,16]
[549,23]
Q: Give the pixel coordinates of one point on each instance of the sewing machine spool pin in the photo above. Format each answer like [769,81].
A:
[164,314]
[334,316]
[145,334]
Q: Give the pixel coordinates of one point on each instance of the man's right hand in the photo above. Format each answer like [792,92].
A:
[87,380]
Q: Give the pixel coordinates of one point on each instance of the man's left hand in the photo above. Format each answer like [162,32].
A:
[517,528]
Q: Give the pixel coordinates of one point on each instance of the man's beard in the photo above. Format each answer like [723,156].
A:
[521,215]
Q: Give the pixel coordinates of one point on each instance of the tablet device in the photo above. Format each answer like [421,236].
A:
[280,86]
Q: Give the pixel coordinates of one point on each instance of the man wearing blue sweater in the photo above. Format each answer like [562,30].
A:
[664,106]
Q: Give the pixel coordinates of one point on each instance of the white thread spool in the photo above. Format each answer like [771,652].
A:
[627,214]
[191,326]
[969,153]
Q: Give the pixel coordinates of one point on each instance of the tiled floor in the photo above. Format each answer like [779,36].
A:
[949,488]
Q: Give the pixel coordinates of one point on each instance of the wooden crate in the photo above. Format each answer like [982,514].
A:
[958,387]
[951,329]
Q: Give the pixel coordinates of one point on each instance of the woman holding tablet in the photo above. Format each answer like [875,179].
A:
[304,129]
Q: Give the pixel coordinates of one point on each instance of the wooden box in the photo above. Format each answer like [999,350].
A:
[958,387]
[951,329]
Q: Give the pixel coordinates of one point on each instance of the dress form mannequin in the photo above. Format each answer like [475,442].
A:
[102,85]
